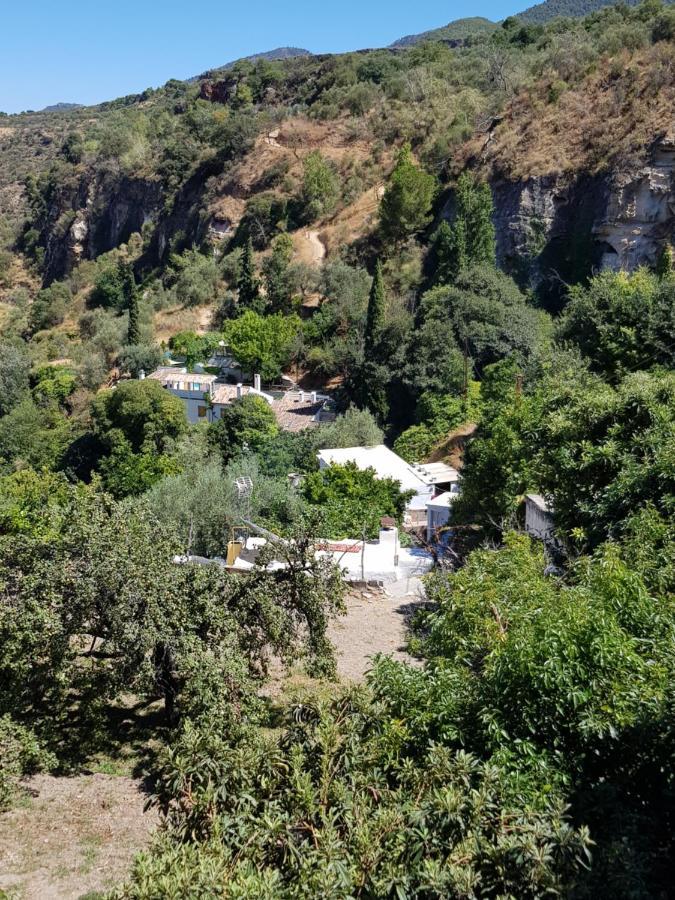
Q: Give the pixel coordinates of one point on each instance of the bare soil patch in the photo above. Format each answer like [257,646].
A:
[375,623]
[73,836]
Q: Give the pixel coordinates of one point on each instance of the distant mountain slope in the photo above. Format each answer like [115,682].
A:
[459,30]
[554,9]
[61,107]
[272,55]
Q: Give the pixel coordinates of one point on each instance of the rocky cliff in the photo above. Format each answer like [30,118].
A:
[557,228]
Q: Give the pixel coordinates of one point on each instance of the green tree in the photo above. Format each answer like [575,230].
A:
[138,358]
[14,371]
[184,633]
[665,267]
[602,454]
[405,207]
[245,424]
[143,412]
[375,313]
[471,239]
[353,501]
[622,322]
[489,315]
[133,330]
[193,347]
[279,282]
[113,286]
[196,278]
[320,187]
[50,306]
[262,344]
[355,428]
[248,285]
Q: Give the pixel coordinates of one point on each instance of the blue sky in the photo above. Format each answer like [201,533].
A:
[72,51]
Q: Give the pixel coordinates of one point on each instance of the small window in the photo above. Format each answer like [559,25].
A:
[201,412]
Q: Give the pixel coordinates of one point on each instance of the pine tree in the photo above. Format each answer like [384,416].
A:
[407,201]
[248,285]
[133,332]
[375,314]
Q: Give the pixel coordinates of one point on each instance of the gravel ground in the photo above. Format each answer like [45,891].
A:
[74,835]
[376,622]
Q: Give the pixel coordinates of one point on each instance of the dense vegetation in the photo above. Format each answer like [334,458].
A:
[530,753]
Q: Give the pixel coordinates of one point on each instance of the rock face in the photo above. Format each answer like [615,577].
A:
[98,217]
[551,230]
[556,229]
[221,91]
[640,214]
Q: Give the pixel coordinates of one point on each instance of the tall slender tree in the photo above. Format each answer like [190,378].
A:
[133,331]
[375,314]
[248,284]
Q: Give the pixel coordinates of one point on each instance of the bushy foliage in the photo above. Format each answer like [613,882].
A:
[14,369]
[353,501]
[320,187]
[194,636]
[623,322]
[245,424]
[407,200]
[262,344]
[20,755]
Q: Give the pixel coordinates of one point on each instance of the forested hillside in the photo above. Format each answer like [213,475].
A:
[555,9]
[464,248]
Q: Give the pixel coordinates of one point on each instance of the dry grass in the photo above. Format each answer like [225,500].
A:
[609,121]
[168,322]
[450,449]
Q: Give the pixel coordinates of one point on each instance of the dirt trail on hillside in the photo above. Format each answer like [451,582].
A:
[75,835]
[309,248]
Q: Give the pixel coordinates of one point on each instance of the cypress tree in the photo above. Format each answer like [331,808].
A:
[375,314]
[248,285]
[446,251]
[133,331]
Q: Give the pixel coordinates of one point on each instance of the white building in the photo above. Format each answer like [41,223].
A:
[425,480]
[438,512]
[205,397]
[538,517]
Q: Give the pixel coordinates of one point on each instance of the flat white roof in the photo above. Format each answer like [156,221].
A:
[538,501]
[443,501]
[388,464]
[438,473]
[175,376]
[384,461]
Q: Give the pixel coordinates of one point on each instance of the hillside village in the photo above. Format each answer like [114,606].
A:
[337,481]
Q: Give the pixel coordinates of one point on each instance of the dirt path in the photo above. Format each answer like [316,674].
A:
[75,835]
[375,623]
[309,247]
